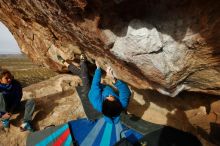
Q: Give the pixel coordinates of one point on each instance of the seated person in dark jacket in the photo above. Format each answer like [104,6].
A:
[10,100]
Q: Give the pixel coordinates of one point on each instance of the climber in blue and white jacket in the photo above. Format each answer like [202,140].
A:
[105,100]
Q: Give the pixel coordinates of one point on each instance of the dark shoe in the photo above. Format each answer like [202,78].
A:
[60,59]
[26,126]
[83,57]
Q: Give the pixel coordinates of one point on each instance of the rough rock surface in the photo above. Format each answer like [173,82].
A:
[191,112]
[165,45]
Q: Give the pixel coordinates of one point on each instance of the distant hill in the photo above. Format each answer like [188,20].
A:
[24,70]
[13,56]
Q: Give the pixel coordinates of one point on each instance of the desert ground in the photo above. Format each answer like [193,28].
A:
[24,70]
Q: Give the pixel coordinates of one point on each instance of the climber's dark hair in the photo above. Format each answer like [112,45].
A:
[111,108]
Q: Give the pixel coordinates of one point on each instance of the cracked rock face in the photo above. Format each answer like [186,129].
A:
[164,45]
[154,53]
[167,46]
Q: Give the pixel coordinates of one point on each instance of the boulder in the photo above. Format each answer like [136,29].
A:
[163,45]
[154,45]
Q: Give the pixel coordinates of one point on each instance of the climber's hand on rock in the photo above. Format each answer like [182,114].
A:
[110,72]
[97,64]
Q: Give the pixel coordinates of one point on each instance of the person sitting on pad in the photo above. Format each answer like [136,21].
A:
[10,101]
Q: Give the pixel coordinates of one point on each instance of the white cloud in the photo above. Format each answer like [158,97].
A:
[8,44]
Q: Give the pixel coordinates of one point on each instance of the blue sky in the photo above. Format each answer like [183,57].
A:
[8,44]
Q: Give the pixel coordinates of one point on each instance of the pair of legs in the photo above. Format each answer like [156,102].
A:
[83,73]
[27,105]
[83,90]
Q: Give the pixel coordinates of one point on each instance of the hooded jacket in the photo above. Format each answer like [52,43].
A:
[12,93]
[98,93]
